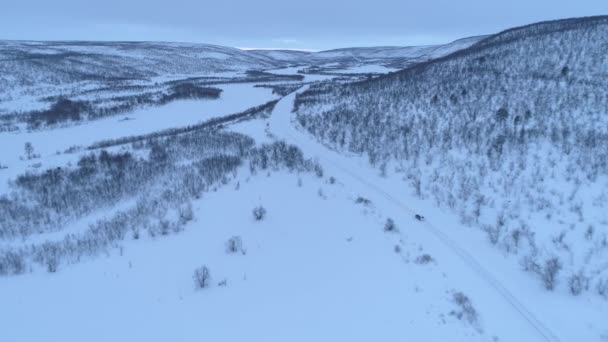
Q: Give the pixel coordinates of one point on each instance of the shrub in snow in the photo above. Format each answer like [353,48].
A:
[493,232]
[390,226]
[465,309]
[530,264]
[363,200]
[29,150]
[165,227]
[550,271]
[321,193]
[11,263]
[578,283]
[52,263]
[318,170]
[259,213]
[513,240]
[135,231]
[602,287]
[234,245]
[185,214]
[202,277]
[424,259]
[589,232]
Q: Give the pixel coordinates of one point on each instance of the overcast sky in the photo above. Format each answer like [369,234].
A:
[304,24]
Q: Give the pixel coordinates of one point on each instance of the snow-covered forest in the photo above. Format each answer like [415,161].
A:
[510,134]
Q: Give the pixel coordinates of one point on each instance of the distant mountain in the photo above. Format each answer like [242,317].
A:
[282,55]
[396,55]
[26,63]
[510,133]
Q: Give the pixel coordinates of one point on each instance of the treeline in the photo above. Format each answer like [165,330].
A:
[64,110]
[281,89]
[250,113]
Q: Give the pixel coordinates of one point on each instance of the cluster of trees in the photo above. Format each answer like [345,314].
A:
[281,89]
[281,155]
[189,91]
[466,311]
[42,202]
[509,130]
[178,169]
[61,111]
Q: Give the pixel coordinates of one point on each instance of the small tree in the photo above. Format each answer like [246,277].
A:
[550,271]
[424,259]
[363,200]
[52,263]
[502,114]
[467,311]
[185,213]
[235,245]
[390,226]
[602,287]
[259,213]
[577,283]
[29,150]
[202,277]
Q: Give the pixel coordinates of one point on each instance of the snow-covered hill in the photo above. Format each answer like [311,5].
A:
[396,54]
[25,63]
[509,134]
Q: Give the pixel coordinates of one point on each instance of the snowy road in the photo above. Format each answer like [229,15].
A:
[490,293]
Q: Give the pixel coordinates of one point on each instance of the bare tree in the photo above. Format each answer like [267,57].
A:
[235,245]
[577,283]
[259,213]
[466,310]
[390,226]
[602,287]
[202,277]
[550,271]
[29,150]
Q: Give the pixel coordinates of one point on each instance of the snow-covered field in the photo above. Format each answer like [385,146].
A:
[301,277]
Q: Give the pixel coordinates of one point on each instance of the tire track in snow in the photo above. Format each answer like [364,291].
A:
[281,117]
